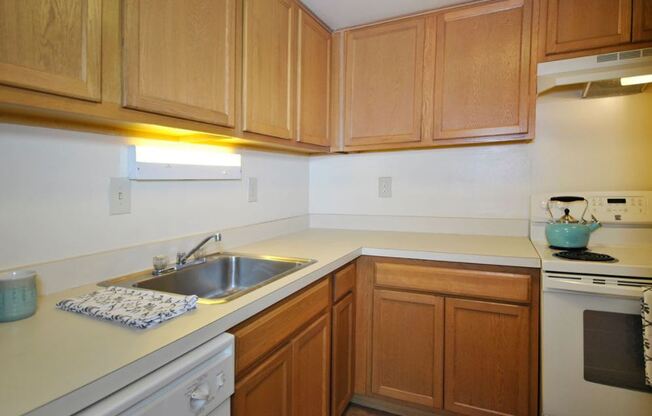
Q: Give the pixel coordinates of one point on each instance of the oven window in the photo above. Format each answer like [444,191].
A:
[613,350]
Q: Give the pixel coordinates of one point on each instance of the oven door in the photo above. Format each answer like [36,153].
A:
[592,348]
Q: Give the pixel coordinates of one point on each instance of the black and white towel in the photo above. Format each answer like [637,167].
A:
[131,307]
[646,314]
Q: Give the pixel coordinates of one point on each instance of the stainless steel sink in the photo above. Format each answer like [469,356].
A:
[223,277]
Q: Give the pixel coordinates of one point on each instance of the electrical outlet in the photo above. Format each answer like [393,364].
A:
[119,196]
[385,187]
[252,194]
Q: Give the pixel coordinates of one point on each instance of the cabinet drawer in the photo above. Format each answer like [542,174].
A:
[343,282]
[264,332]
[505,286]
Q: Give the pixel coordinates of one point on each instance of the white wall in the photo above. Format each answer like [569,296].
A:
[599,144]
[54,196]
[592,145]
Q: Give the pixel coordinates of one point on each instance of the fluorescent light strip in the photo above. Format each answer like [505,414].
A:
[203,156]
[639,79]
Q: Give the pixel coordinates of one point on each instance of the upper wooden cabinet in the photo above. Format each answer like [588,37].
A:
[268,67]
[179,58]
[313,81]
[384,83]
[572,28]
[574,25]
[642,30]
[52,46]
[483,70]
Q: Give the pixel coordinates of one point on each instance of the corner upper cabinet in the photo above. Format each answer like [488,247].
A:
[483,71]
[384,83]
[642,23]
[52,46]
[179,58]
[577,25]
[313,81]
[268,67]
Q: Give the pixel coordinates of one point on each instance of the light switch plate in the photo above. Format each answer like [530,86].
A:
[252,193]
[119,196]
[385,187]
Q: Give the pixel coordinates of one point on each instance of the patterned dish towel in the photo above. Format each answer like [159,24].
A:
[646,314]
[131,307]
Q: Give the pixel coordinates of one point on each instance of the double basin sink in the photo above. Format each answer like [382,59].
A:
[218,279]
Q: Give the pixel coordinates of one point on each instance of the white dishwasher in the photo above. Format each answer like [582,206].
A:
[199,383]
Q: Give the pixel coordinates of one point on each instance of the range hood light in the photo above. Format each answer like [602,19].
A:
[639,79]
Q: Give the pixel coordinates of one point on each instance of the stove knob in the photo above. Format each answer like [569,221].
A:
[199,397]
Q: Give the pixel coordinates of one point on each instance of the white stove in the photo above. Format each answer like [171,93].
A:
[591,341]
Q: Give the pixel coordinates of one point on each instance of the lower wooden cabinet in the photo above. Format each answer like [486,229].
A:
[343,358]
[407,347]
[487,358]
[296,357]
[456,338]
[267,389]
[311,352]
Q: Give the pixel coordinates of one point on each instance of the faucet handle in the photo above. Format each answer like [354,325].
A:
[180,257]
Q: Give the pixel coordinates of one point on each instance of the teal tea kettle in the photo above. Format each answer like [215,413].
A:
[567,232]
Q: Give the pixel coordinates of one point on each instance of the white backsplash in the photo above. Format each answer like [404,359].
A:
[594,144]
[55,197]
[54,184]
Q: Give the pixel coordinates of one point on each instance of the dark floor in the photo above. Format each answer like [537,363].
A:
[355,410]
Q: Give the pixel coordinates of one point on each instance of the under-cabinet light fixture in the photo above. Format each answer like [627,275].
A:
[639,79]
[182,162]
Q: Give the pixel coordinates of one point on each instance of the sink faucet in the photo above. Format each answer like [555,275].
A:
[182,258]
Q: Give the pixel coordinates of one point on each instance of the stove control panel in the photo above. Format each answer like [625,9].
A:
[626,207]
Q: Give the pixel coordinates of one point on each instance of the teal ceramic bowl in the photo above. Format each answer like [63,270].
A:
[17,295]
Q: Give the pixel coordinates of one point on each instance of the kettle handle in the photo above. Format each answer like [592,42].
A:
[568,199]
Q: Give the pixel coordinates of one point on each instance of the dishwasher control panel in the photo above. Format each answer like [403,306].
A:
[198,383]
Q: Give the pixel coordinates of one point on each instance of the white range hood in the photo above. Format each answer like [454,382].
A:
[589,69]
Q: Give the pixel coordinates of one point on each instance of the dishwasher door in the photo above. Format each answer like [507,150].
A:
[199,383]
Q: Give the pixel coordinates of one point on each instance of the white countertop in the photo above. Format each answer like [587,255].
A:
[56,363]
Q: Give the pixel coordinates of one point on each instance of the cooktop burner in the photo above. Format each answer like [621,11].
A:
[585,255]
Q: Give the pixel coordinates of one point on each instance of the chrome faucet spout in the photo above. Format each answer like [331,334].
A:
[182,258]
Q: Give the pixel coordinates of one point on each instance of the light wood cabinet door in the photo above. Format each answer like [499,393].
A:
[343,352]
[642,30]
[487,358]
[482,70]
[179,58]
[52,46]
[313,81]
[407,347]
[384,83]
[311,354]
[576,25]
[267,390]
[268,67]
